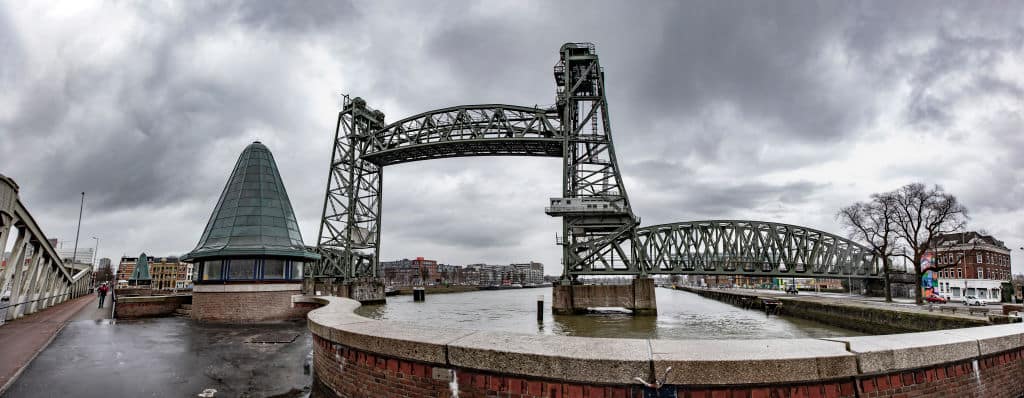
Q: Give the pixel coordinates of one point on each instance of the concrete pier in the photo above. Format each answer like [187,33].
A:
[365,291]
[638,296]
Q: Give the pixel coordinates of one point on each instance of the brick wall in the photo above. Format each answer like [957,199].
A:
[346,372]
[827,390]
[152,306]
[998,376]
[246,306]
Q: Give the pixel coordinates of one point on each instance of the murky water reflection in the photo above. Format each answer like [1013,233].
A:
[681,315]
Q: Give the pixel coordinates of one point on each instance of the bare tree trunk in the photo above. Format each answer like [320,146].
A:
[918,295]
[885,274]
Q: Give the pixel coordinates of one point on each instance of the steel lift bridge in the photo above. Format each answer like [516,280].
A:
[600,233]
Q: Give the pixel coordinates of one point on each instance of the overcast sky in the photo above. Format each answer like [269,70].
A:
[779,111]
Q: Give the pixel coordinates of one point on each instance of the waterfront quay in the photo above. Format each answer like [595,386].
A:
[342,351]
[356,356]
[864,314]
[265,299]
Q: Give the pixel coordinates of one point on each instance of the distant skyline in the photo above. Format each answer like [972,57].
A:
[773,111]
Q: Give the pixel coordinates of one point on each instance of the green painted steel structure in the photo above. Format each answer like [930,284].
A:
[253,217]
[600,234]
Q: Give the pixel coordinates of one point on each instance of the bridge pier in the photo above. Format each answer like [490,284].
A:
[365,291]
[637,296]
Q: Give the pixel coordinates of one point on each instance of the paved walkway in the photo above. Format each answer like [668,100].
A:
[93,312]
[22,339]
[902,305]
[171,357]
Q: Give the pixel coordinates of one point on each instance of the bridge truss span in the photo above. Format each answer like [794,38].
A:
[468,130]
[751,248]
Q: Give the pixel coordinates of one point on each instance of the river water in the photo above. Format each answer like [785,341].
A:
[681,315]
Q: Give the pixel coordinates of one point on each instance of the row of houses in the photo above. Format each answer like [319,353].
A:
[167,273]
[421,271]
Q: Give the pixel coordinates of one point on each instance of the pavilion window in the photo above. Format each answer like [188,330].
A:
[242,269]
[212,270]
[273,269]
[295,270]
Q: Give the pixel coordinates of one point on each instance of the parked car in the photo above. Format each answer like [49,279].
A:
[934,298]
[972,300]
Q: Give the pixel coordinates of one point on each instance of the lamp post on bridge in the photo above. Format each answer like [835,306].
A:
[92,263]
[95,250]
[74,252]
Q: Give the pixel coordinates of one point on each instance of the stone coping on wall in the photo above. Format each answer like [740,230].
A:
[149,299]
[620,361]
[884,353]
[248,287]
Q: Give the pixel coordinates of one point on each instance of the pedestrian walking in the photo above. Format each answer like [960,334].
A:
[103,293]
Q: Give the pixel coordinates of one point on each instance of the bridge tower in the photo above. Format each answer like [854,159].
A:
[349,237]
[598,224]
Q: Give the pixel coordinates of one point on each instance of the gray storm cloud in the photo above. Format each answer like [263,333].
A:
[768,110]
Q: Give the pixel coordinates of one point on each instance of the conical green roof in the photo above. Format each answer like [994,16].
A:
[253,217]
[141,271]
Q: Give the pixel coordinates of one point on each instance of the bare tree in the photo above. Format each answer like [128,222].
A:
[922,214]
[874,223]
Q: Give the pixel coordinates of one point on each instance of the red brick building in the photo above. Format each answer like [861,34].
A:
[971,264]
[407,272]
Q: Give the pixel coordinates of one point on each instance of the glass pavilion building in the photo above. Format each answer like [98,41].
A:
[251,256]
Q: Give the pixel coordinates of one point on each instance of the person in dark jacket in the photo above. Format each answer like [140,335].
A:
[102,291]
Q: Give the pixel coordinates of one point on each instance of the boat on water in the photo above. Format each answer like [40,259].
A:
[390,291]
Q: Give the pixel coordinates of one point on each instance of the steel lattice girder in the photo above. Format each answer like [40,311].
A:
[469,130]
[349,238]
[754,248]
[592,244]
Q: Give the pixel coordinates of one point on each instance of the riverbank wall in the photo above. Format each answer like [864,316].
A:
[407,290]
[852,315]
[356,357]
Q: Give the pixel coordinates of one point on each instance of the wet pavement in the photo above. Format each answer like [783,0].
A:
[170,357]
[23,338]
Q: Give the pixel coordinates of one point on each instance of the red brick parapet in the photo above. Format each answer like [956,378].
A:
[149,306]
[246,303]
[360,357]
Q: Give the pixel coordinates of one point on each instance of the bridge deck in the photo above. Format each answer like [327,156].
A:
[548,147]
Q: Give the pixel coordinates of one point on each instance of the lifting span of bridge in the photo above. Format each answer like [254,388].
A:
[600,233]
[35,275]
